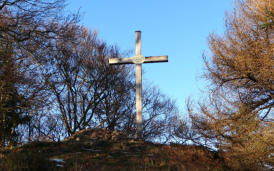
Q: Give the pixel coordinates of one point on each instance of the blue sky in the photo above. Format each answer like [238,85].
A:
[177,28]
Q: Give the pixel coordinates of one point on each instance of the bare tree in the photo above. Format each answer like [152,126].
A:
[65,77]
[79,78]
[159,112]
[88,92]
[23,20]
[25,25]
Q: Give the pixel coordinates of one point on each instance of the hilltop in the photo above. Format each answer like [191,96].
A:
[103,150]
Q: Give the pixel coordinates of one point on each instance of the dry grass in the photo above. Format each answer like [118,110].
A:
[122,154]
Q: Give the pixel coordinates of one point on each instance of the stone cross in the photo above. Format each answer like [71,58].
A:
[138,59]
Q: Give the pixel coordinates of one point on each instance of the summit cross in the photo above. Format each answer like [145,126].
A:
[138,59]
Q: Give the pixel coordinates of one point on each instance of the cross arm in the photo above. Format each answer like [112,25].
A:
[118,61]
[153,59]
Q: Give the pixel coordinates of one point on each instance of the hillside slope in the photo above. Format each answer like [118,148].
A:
[101,150]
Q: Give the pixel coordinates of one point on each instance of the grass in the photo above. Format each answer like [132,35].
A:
[125,154]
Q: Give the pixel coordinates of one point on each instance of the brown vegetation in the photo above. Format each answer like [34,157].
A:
[90,153]
[237,118]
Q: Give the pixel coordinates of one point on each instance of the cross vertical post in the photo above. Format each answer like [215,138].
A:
[138,87]
[138,59]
